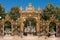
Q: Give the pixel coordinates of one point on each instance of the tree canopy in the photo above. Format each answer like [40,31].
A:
[47,12]
[2,12]
[57,12]
[14,13]
[32,20]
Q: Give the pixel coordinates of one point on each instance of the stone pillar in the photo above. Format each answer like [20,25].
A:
[47,29]
[57,24]
[3,29]
[57,29]
[21,26]
[38,22]
[37,28]
[40,26]
[21,29]
[12,29]
[47,24]
[37,25]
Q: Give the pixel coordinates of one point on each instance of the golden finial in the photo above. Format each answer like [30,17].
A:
[30,5]
[20,8]
[38,9]
[7,17]
[30,8]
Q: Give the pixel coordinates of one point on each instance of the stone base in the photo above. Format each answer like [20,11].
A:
[57,35]
[38,34]
[29,34]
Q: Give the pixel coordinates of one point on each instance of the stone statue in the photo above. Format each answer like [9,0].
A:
[29,29]
[52,33]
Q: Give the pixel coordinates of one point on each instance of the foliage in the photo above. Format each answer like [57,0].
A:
[45,16]
[7,24]
[2,11]
[52,25]
[14,13]
[57,12]
[33,22]
[47,12]
[1,25]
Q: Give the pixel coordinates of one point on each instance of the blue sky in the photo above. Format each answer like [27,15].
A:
[7,4]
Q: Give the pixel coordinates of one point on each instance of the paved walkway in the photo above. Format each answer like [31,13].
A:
[8,37]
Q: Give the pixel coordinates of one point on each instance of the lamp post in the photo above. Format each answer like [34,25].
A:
[0,17]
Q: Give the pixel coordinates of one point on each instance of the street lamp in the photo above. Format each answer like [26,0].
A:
[0,17]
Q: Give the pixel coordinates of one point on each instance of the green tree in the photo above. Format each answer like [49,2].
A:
[14,13]
[47,12]
[7,24]
[2,11]
[52,25]
[57,12]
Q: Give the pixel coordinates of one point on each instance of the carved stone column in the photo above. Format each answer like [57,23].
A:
[3,29]
[57,29]
[21,26]
[12,29]
[40,26]
[47,26]
[21,19]
[3,26]
[37,27]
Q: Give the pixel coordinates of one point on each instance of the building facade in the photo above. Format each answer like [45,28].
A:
[30,12]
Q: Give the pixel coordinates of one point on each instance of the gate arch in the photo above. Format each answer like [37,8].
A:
[52,25]
[31,24]
[7,27]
